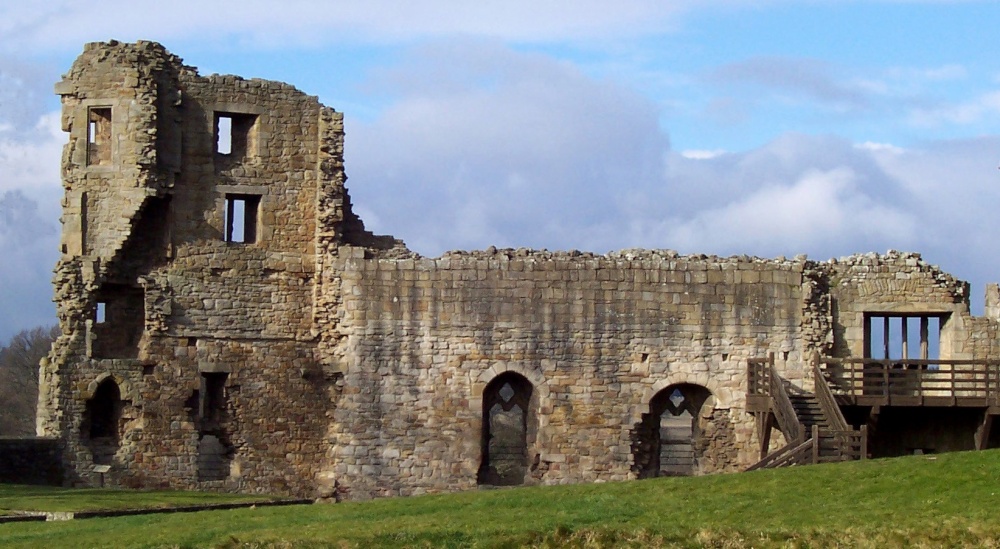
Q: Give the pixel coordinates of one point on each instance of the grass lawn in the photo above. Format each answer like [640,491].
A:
[47,498]
[944,500]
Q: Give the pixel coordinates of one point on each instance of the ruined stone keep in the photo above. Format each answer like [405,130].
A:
[229,324]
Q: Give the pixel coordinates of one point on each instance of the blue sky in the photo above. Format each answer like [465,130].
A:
[715,126]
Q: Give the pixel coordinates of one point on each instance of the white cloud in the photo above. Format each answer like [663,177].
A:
[492,141]
[812,78]
[258,24]
[701,154]
[968,112]
[513,149]
[30,193]
[818,211]
[872,146]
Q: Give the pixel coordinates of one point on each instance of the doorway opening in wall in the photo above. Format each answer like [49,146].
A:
[505,433]
[241,215]
[102,420]
[665,441]
[903,336]
[215,452]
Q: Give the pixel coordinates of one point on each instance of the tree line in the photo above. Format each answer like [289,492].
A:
[19,379]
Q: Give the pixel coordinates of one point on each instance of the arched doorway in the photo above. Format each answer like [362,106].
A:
[506,407]
[101,425]
[665,441]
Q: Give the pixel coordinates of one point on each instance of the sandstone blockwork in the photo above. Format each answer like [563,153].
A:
[229,324]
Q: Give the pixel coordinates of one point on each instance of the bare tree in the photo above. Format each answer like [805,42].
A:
[19,379]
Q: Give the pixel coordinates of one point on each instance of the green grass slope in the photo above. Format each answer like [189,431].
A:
[944,500]
[53,499]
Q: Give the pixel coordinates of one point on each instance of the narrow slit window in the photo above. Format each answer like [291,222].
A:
[99,136]
[224,131]
[241,217]
[101,312]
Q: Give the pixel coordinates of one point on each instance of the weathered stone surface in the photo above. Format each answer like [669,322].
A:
[314,358]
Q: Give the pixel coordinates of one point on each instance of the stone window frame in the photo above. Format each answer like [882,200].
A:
[249,218]
[896,346]
[81,133]
[257,134]
[263,232]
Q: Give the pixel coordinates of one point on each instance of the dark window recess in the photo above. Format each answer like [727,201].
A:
[104,410]
[101,422]
[234,134]
[212,408]
[903,337]
[241,217]
[119,320]
[99,136]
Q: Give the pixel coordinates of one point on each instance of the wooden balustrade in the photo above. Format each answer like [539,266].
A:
[781,405]
[913,382]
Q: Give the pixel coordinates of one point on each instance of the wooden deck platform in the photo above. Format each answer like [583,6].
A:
[943,383]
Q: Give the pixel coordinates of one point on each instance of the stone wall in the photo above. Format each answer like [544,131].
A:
[228,323]
[598,336]
[30,461]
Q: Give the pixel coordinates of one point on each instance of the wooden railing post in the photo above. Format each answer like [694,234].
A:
[815,437]
[885,381]
[864,442]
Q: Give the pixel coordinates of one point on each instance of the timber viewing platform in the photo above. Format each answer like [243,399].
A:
[913,382]
[814,424]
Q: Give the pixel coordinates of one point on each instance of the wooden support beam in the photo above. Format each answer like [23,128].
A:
[983,431]
[764,434]
[864,442]
[924,349]
[815,437]
[885,337]
[906,338]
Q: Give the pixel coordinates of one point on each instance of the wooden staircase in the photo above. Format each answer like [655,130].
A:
[810,415]
[812,423]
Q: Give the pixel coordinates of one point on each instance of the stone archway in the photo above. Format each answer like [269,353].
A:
[505,433]
[100,430]
[665,440]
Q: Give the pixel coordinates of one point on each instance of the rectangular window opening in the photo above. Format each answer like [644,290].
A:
[99,136]
[119,321]
[903,337]
[234,134]
[224,134]
[241,217]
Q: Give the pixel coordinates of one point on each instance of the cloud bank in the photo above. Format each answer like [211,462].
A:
[488,146]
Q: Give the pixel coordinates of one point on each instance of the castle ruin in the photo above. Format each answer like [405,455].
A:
[229,324]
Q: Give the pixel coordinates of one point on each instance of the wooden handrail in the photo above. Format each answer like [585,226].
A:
[826,399]
[781,405]
[793,453]
[955,378]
